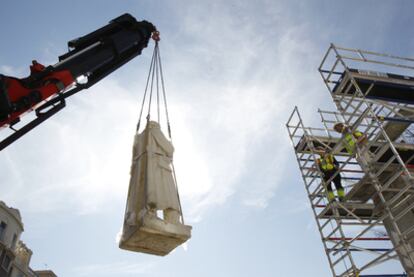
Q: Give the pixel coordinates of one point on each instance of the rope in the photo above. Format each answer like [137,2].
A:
[164,95]
[161,75]
[156,72]
[151,87]
[178,195]
[157,58]
[146,89]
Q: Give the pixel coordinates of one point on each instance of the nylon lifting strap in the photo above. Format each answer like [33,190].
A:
[155,74]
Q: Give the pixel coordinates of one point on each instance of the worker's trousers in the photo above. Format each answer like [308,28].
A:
[336,180]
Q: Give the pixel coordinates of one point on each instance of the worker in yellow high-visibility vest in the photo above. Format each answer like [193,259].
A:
[329,167]
[355,143]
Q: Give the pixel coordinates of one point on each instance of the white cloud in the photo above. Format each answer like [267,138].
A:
[228,106]
[13,71]
[77,160]
[7,70]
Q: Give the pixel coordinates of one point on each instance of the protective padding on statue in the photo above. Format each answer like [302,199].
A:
[152,188]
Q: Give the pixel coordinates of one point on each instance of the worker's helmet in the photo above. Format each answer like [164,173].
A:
[339,127]
[321,149]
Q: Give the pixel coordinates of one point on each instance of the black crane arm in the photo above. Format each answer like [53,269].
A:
[92,56]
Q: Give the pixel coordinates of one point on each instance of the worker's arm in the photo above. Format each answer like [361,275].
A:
[360,137]
[318,166]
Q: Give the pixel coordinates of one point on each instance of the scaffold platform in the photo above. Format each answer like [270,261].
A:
[385,86]
[371,231]
[348,210]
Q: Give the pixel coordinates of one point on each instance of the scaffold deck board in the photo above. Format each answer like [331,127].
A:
[405,150]
[362,191]
[387,86]
[395,129]
[348,210]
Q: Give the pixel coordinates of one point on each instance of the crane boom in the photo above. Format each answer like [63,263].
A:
[91,57]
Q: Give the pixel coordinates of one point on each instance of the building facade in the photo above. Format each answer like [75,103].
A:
[14,254]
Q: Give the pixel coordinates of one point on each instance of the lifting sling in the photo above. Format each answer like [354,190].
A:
[153,185]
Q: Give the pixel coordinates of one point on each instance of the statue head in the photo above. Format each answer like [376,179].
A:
[153,125]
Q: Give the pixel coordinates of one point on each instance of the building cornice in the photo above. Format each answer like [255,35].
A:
[14,213]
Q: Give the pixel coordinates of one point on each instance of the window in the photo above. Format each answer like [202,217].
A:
[6,263]
[3,226]
[14,241]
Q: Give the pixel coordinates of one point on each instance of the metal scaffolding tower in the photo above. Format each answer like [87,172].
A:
[371,232]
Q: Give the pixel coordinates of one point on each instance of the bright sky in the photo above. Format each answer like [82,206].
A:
[234,70]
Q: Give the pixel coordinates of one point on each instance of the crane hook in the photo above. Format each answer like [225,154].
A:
[156,36]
